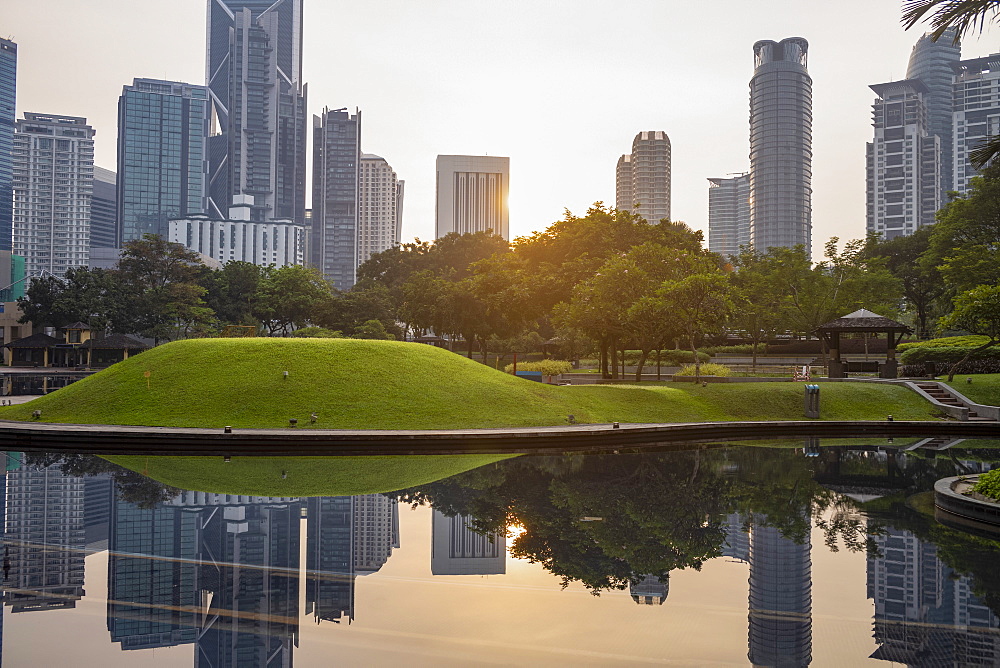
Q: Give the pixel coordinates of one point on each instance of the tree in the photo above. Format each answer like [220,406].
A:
[291,297]
[94,296]
[977,311]
[700,302]
[964,244]
[234,292]
[760,305]
[372,329]
[921,283]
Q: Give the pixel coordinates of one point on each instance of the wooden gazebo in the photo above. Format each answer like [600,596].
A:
[863,322]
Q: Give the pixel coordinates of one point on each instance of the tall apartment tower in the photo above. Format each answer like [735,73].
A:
[728,214]
[976,115]
[8,95]
[472,195]
[53,185]
[903,162]
[931,62]
[336,166]
[163,129]
[254,73]
[642,179]
[781,145]
[380,207]
[456,549]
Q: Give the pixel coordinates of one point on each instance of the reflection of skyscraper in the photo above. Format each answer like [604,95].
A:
[925,615]
[249,579]
[458,550]
[780,598]
[346,536]
[153,591]
[737,545]
[44,539]
[651,589]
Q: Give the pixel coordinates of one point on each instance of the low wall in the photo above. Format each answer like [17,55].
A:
[953,507]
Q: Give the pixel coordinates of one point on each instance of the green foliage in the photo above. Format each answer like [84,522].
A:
[737,349]
[317,333]
[354,384]
[947,354]
[547,367]
[989,484]
[920,281]
[946,342]
[372,329]
[710,369]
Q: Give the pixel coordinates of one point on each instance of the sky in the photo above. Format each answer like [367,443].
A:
[561,87]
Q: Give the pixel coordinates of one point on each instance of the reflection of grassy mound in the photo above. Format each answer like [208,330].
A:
[304,476]
[388,385]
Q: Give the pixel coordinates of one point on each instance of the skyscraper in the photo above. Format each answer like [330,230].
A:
[931,62]
[458,550]
[336,158]
[781,145]
[729,214]
[254,73]
[642,178]
[163,129]
[104,210]
[8,95]
[53,186]
[472,195]
[903,162]
[976,111]
[380,207]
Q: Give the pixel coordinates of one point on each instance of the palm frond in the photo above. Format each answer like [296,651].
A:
[964,15]
[983,154]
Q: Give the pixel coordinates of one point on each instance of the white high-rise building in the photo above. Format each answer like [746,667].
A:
[976,113]
[642,178]
[380,206]
[53,185]
[903,161]
[458,550]
[729,214]
[472,195]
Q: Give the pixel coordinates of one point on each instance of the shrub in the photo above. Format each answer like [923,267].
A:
[667,358]
[709,369]
[946,354]
[743,348]
[316,333]
[946,342]
[939,368]
[989,484]
[547,367]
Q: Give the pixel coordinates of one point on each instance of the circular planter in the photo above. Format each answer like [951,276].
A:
[953,508]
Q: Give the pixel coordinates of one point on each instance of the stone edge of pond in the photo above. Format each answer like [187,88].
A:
[116,439]
[954,509]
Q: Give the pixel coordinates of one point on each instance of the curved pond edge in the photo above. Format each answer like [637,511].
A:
[956,510]
[113,439]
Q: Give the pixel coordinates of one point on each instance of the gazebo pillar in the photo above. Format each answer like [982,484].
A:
[891,367]
[835,366]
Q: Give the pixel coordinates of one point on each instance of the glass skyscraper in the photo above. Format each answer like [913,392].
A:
[254,73]
[781,145]
[336,160]
[162,155]
[8,89]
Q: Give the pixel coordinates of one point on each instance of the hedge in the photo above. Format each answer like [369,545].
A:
[547,367]
[946,342]
[710,369]
[989,484]
[947,354]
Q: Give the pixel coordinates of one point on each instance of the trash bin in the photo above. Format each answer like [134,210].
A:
[812,401]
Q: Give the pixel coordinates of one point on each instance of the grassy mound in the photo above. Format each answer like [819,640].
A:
[353,384]
[302,476]
[984,389]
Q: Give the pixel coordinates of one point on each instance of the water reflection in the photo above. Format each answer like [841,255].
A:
[228,575]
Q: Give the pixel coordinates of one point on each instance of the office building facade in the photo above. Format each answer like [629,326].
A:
[8,97]
[334,228]
[472,195]
[104,210]
[265,243]
[903,162]
[642,179]
[456,549]
[976,114]
[781,145]
[53,187]
[163,129]
[258,138]
[380,207]
[728,214]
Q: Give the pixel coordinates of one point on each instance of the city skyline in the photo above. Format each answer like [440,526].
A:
[414,114]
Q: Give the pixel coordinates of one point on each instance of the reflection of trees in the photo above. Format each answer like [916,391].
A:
[130,485]
[657,511]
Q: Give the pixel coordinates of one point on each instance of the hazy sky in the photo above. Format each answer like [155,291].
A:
[561,87]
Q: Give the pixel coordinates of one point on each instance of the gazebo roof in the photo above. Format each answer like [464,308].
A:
[77,325]
[38,340]
[863,320]
[116,342]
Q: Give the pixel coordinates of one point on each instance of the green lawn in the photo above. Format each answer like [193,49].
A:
[303,476]
[354,384]
[984,389]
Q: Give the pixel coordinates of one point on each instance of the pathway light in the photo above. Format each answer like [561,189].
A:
[292,422]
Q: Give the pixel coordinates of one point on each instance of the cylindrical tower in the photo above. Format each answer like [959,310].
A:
[781,145]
